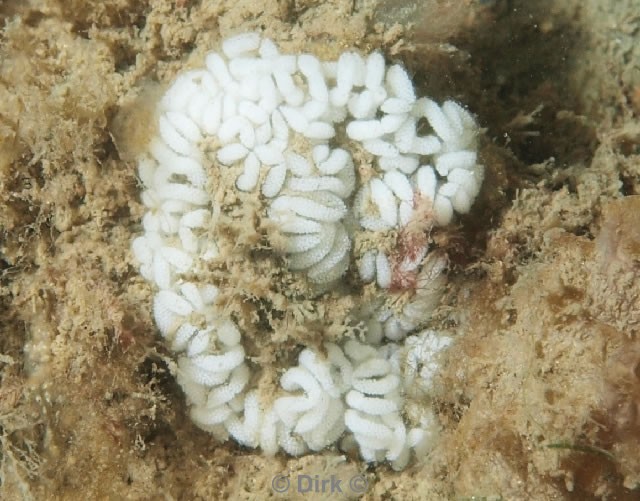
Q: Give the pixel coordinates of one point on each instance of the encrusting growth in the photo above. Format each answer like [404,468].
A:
[286,125]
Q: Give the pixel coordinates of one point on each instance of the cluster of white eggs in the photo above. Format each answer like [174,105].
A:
[286,124]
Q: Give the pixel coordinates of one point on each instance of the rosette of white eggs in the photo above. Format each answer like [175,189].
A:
[285,127]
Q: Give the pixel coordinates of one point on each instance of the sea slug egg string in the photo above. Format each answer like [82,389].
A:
[289,128]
